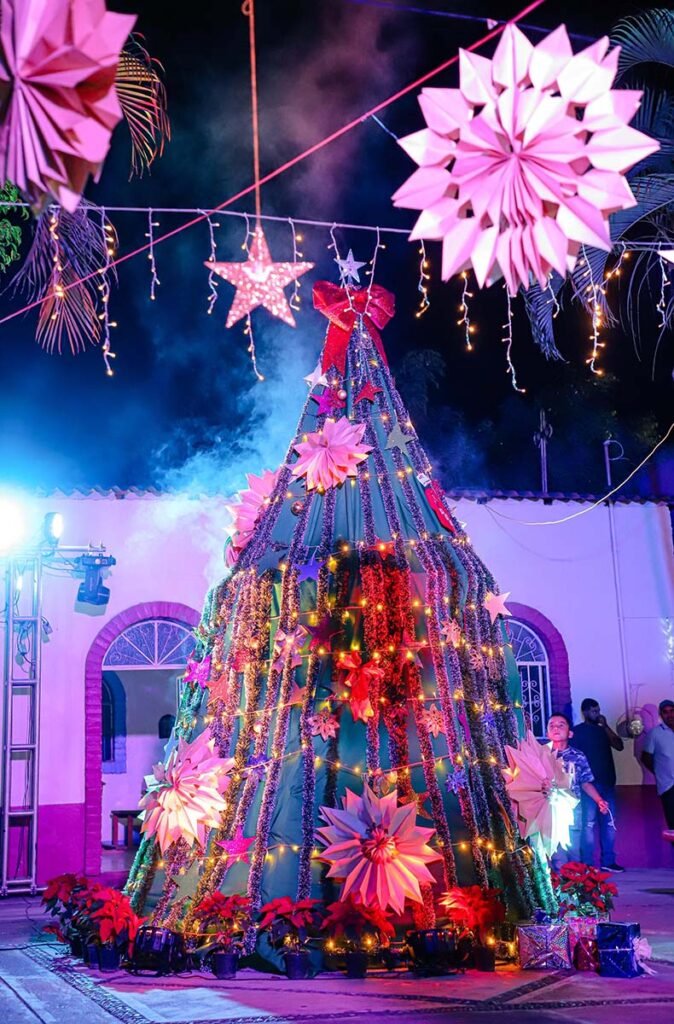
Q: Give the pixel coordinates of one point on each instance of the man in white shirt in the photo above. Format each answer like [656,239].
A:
[658,757]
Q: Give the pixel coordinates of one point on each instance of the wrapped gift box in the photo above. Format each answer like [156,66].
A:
[585,954]
[617,953]
[543,946]
[581,928]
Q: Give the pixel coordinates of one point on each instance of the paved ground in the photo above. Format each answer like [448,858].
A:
[38,983]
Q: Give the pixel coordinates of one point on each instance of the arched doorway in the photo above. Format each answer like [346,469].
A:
[150,638]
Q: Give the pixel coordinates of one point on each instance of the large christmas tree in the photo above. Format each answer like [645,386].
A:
[345,719]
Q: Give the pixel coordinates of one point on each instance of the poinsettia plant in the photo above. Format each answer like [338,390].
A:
[224,919]
[353,925]
[474,908]
[583,890]
[114,919]
[62,898]
[289,922]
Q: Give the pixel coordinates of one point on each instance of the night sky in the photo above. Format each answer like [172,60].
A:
[183,409]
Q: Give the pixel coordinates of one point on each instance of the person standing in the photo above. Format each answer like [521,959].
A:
[658,757]
[578,769]
[597,740]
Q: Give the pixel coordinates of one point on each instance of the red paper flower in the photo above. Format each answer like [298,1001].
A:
[352,918]
[473,906]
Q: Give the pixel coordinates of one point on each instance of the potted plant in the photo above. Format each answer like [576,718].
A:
[62,899]
[288,923]
[357,930]
[478,910]
[585,897]
[114,926]
[223,921]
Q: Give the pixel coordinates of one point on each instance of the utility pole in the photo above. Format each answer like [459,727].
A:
[541,438]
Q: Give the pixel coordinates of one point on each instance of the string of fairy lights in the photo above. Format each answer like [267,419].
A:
[594,290]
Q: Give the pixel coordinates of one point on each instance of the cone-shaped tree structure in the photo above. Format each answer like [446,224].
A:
[348,663]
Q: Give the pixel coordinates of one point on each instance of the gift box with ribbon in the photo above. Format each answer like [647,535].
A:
[543,946]
[585,956]
[583,930]
[621,949]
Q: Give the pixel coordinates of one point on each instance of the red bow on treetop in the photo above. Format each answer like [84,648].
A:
[376,306]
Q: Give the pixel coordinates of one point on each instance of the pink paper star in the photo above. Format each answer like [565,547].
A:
[297,694]
[198,671]
[259,281]
[451,631]
[367,393]
[495,605]
[329,402]
[433,720]
[324,724]
[322,633]
[219,688]
[237,848]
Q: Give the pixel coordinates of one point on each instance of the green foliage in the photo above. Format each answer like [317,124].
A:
[10,234]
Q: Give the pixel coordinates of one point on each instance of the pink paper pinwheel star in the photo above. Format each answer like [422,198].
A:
[328,457]
[523,164]
[58,104]
[378,850]
[248,505]
[259,281]
[324,724]
[433,721]
[238,847]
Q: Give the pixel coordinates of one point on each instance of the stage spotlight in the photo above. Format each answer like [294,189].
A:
[92,591]
[12,525]
[52,528]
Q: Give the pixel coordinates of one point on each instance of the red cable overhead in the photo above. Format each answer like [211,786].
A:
[296,159]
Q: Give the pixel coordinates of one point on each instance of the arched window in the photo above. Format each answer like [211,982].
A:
[534,668]
[154,643]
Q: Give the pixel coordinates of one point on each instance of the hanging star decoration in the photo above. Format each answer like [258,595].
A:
[418,800]
[310,569]
[328,402]
[524,163]
[451,632]
[289,645]
[198,671]
[495,605]
[322,633]
[237,848]
[297,694]
[348,269]
[397,439]
[218,689]
[377,848]
[324,724]
[259,282]
[317,378]
[367,393]
[432,719]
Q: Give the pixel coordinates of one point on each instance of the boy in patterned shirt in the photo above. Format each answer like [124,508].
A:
[577,766]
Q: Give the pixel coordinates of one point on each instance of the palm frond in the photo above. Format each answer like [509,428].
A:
[142,97]
[542,306]
[655,118]
[645,38]
[67,249]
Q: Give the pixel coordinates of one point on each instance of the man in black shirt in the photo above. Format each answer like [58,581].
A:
[598,741]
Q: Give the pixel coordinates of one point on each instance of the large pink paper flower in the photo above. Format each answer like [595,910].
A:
[523,163]
[58,104]
[328,456]
[246,508]
[185,796]
[377,849]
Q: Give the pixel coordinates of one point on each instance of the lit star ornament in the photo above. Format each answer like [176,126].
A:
[348,268]
[495,605]
[523,164]
[259,281]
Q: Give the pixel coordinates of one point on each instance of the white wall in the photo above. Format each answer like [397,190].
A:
[566,572]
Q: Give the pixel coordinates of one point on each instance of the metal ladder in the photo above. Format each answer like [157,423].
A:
[21,722]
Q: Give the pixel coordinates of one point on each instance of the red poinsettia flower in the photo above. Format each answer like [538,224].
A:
[353,919]
[473,906]
[115,918]
[61,888]
[298,913]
